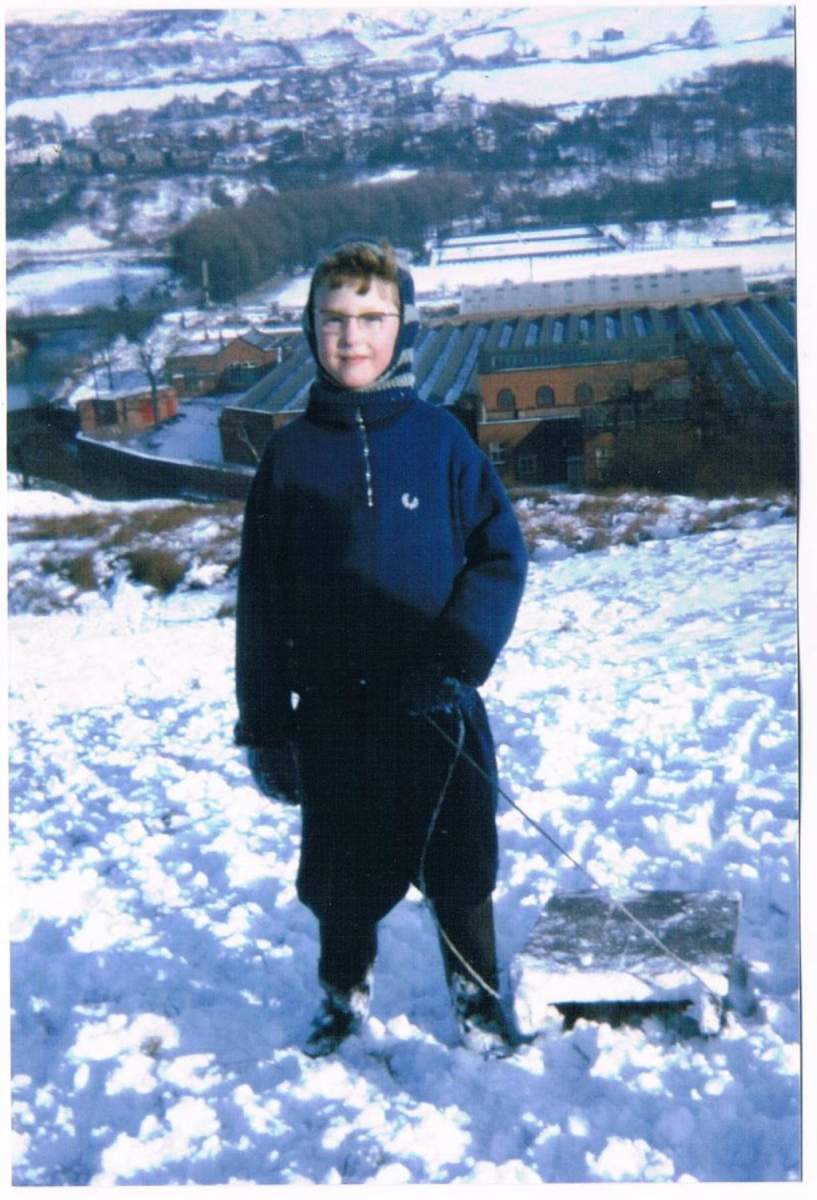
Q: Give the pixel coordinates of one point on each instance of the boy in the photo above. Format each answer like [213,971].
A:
[381,570]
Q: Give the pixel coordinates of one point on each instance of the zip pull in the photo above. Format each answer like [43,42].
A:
[367,458]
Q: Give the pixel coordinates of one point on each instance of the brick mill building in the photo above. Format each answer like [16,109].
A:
[546,394]
[200,367]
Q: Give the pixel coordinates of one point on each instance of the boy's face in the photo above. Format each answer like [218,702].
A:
[357,332]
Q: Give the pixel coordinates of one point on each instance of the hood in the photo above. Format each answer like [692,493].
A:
[400,372]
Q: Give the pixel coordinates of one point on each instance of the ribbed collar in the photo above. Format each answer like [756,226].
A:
[338,407]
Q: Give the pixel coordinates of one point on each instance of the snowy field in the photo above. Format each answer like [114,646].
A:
[561,83]
[78,109]
[164,971]
[72,287]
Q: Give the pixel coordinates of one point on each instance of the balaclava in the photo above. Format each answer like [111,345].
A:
[399,373]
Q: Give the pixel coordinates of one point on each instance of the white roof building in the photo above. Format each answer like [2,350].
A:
[670,285]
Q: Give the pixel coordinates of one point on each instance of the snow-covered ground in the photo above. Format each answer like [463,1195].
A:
[649,50]
[552,82]
[66,239]
[78,109]
[655,36]
[164,971]
[73,286]
[561,83]
[100,245]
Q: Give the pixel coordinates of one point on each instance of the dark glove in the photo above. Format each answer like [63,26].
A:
[276,771]
[427,689]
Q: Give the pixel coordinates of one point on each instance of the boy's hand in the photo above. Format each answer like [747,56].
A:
[427,689]
[276,771]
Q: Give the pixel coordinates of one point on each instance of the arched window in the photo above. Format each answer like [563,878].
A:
[584,393]
[506,399]
[545,397]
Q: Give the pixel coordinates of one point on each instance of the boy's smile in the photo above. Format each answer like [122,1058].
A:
[357,332]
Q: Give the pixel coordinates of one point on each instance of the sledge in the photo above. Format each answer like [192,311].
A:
[588,957]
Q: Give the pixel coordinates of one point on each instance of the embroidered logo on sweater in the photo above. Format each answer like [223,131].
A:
[409,502]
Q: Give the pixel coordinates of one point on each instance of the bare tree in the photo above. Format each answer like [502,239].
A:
[101,358]
[245,439]
[152,351]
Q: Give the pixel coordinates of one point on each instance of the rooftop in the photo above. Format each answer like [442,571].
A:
[102,384]
[530,243]
[449,354]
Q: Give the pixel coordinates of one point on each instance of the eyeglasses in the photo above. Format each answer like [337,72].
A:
[333,323]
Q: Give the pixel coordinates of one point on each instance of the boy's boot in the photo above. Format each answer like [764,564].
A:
[340,1015]
[481,1019]
[483,1024]
[348,950]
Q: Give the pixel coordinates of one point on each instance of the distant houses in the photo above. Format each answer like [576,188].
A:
[112,402]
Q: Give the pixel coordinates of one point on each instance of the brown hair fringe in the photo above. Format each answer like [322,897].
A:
[357,263]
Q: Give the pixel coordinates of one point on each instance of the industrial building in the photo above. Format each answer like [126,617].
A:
[627,287]
[545,395]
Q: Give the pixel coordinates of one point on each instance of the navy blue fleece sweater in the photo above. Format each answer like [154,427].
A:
[377,536]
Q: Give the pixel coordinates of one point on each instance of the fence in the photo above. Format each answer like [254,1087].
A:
[125,472]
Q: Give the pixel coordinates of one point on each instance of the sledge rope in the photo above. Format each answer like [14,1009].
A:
[463,753]
[458,745]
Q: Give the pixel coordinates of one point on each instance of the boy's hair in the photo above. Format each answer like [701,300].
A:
[357,263]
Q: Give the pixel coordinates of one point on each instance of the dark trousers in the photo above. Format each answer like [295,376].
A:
[348,948]
[471,932]
[372,819]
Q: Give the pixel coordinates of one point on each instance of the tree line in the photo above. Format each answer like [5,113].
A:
[274,232]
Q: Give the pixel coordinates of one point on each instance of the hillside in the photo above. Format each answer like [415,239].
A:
[143,120]
[145,49]
[645,713]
